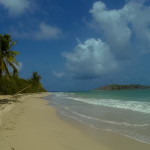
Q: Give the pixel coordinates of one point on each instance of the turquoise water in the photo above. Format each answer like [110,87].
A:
[126,112]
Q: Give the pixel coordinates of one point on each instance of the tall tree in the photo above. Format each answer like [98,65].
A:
[7,55]
[36,77]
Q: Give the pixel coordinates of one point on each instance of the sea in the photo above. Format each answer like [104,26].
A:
[125,112]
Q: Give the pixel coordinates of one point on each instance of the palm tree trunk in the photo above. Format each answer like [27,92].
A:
[0,73]
[1,69]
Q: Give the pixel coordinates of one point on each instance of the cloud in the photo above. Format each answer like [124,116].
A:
[58,74]
[47,32]
[126,30]
[90,59]
[43,32]
[20,66]
[114,26]
[138,16]
[126,35]
[15,7]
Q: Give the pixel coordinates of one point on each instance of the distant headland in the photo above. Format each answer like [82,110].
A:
[122,87]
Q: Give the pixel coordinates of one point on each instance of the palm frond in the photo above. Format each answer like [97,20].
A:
[11,59]
[14,53]
[7,56]
[14,67]
[12,44]
[5,68]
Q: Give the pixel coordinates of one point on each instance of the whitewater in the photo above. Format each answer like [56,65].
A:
[125,112]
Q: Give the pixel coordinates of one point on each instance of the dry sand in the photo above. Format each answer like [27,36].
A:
[33,125]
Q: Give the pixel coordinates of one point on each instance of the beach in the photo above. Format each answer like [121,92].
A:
[32,124]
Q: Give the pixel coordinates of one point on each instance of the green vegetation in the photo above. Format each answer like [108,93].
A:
[14,84]
[7,56]
[122,87]
[10,82]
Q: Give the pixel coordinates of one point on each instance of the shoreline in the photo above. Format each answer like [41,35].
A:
[114,140]
[35,125]
[77,124]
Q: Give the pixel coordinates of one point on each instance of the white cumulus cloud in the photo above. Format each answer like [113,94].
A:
[114,25]
[126,29]
[90,59]
[15,7]
[126,35]
[138,16]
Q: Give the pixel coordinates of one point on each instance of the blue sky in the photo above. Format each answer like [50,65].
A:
[80,44]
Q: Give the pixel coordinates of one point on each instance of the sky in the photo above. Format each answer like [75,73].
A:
[80,44]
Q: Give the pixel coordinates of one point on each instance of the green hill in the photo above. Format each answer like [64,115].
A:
[122,87]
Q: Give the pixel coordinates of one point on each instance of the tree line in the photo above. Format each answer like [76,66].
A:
[10,82]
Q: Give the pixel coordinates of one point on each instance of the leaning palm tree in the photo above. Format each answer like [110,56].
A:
[7,56]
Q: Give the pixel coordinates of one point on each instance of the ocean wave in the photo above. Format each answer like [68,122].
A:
[107,121]
[70,105]
[143,107]
[138,106]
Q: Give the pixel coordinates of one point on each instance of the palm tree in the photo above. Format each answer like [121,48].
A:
[36,77]
[7,56]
